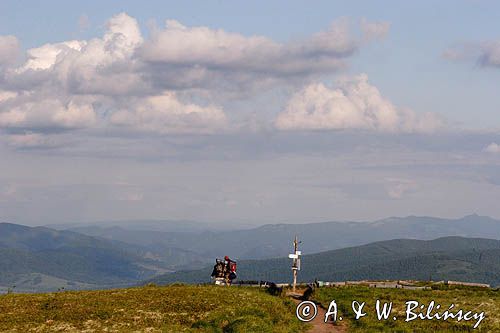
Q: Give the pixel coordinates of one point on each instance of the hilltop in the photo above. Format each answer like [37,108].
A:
[151,309]
[208,309]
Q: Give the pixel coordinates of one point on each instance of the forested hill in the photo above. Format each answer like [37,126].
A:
[449,258]
[38,259]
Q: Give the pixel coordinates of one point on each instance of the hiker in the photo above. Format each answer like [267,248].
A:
[230,269]
[219,269]
[224,271]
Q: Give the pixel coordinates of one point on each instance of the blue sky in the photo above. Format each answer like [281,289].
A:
[323,107]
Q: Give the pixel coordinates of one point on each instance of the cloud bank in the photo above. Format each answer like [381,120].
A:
[215,52]
[167,83]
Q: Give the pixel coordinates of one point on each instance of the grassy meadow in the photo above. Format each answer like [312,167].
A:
[467,298]
[177,308]
[185,308]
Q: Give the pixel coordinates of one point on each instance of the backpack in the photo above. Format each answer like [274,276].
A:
[232,267]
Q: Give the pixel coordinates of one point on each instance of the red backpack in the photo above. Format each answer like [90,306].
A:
[232,267]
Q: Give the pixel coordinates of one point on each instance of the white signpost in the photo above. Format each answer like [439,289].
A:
[295,256]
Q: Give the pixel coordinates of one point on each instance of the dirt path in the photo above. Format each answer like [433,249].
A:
[318,324]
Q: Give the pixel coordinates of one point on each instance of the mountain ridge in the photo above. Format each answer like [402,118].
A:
[273,240]
[447,258]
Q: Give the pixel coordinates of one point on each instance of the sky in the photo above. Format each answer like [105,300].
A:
[248,112]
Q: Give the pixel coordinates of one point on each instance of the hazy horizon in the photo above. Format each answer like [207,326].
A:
[222,224]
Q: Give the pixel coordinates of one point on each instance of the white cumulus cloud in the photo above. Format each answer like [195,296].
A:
[103,66]
[46,56]
[353,104]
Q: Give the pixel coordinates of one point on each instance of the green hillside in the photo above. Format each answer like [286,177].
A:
[449,258]
[40,259]
[150,309]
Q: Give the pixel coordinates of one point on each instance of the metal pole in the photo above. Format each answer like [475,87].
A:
[294,266]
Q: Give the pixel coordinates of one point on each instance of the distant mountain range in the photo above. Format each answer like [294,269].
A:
[114,254]
[274,240]
[150,225]
[449,258]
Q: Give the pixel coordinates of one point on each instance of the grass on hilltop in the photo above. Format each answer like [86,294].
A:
[467,298]
[177,308]
[183,308]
